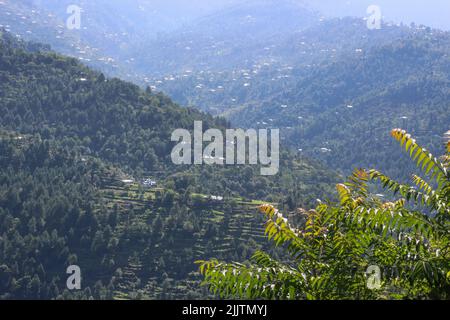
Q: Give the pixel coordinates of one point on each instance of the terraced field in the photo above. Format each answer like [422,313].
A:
[162,241]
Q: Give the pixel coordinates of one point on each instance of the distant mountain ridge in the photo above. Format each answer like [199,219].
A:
[332,94]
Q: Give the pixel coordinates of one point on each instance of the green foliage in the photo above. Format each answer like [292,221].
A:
[331,250]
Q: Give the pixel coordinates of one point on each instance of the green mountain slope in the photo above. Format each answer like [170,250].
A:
[337,102]
[75,147]
[349,106]
[59,98]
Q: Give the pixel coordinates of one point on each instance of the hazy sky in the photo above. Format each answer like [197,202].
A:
[434,13]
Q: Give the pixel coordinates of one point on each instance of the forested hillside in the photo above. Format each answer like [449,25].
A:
[347,82]
[76,147]
[291,58]
[92,114]
[403,84]
[59,98]
[50,218]
[87,177]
